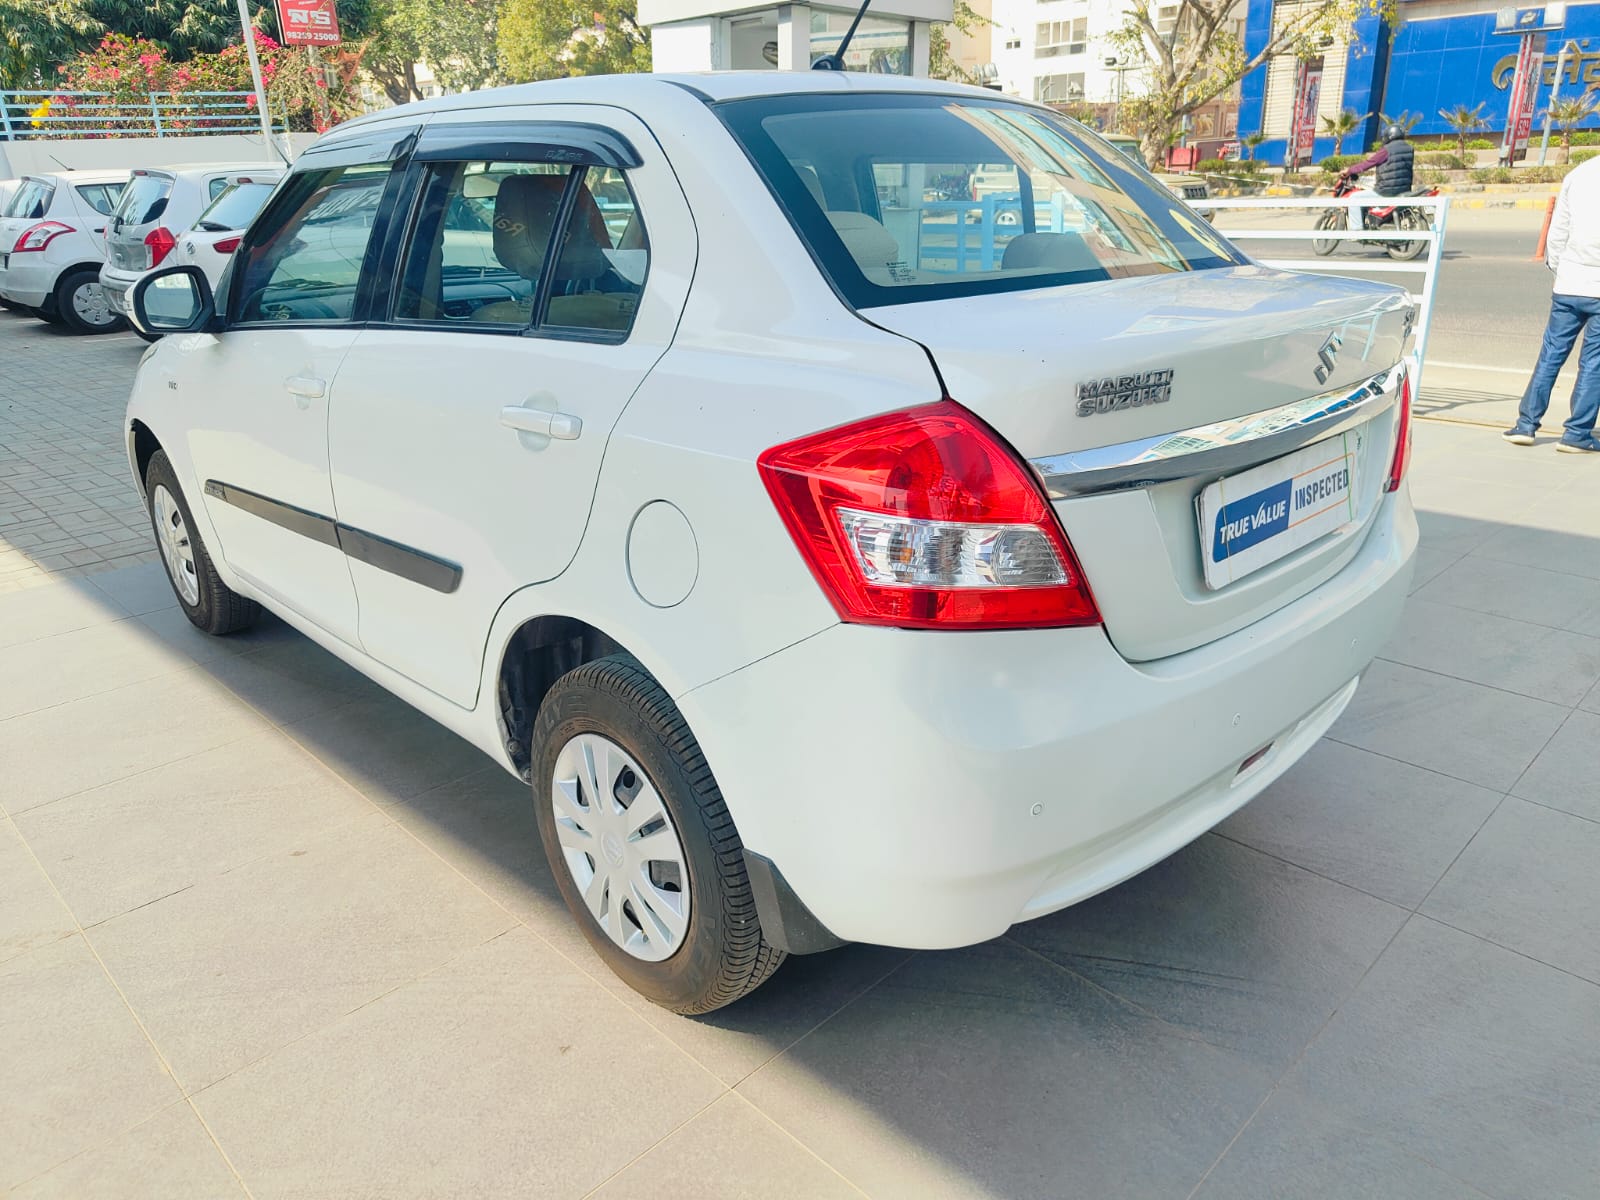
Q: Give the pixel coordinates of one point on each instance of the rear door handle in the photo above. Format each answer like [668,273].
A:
[304,385]
[562,427]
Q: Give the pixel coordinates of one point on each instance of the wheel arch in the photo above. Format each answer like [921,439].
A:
[142,447]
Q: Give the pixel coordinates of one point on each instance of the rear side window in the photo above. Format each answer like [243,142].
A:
[215,188]
[102,197]
[144,199]
[32,200]
[234,208]
[485,251]
[305,266]
[922,197]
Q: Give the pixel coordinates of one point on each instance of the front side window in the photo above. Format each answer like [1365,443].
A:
[102,197]
[32,200]
[923,197]
[305,264]
[481,249]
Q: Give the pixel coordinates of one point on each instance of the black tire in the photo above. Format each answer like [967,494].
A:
[1334,218]
[69,284]
[1406,220]
[216,609]
[723,955]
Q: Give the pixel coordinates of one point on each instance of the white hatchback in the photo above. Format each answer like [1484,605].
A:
[833,563]
[52,242]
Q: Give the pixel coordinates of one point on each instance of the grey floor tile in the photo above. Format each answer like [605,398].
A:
[58,751]
[484,825]
[1296,1149]
[1566,775]
[1478,1060]
[989,1072]
[386,748]
[74,1068]
[1525,593]
[1383,826]
[505,1073]
[1529,882]
[174,629]
[243,963]
[1449,533]
[1480,734]
[1547,664]
[114,848]
[1226,943]
[31,914]
[53,609]
[168,1157]
[729,1152]
[85,662]
[139,589]
[294,680]
[1571,550]
[1430,563]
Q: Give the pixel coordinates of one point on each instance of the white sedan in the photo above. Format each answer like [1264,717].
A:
[830,566]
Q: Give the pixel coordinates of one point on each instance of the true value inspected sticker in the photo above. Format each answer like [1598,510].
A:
[1256,517]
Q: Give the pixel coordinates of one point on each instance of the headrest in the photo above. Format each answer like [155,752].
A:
[1048,252]
[868,242]
[524,211]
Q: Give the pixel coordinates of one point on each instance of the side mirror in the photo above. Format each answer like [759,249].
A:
[175,300]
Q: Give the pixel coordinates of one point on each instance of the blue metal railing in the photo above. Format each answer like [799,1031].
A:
[67,114]
[971,235]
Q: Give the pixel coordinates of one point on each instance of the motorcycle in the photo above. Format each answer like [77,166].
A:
[1397,217]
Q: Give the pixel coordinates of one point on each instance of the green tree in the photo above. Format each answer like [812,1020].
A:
[941,62]
[1194,54]
[1465,121]
[37,35]
[1566,114]
[457,40]
[1342,126]
[550,39]
[1251,142]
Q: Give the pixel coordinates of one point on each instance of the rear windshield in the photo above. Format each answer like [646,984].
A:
[923,197]
[32,199]
[234,208]
[102,197]
[144,199]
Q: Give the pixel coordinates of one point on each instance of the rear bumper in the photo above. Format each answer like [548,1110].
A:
[929,789]
[28,283]
[115,284]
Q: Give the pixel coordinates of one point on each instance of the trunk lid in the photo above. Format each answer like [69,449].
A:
[1157,355]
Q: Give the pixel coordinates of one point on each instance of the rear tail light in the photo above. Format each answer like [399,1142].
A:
[227,245]
[160,241]
[37,237]
[1402,438]
[924,519]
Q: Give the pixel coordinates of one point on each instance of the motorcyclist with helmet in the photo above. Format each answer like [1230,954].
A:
[1394,162]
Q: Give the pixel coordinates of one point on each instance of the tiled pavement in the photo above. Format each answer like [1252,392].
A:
[265,931]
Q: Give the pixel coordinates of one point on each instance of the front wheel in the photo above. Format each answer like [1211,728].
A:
[640,842]
[1408,220]
[1334,218]
[82,304]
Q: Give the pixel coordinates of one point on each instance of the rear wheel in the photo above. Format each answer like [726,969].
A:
[82,305]
[640,842]
[210,604]
[1334,218]
[1408,220]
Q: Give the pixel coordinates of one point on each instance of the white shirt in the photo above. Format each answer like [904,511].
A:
[1573,249]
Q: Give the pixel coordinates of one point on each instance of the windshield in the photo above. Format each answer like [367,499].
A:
[32,199]
[235,208]
[922,197]
[144,199]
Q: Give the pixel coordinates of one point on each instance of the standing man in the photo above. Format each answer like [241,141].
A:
[1573,253]
[1395,162]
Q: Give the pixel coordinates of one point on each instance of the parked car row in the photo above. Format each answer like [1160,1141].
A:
[72,243]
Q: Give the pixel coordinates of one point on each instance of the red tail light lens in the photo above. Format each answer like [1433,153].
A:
[924,519]
[160,241]
[227,245]
[37,237]
[1402,441]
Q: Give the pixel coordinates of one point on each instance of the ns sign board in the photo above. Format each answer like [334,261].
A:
[308,22]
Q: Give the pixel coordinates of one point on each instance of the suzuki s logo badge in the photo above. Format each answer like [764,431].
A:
[1124,391]
[1328,356]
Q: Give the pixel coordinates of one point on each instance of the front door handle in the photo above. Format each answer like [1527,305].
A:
[304,385]
[562,427]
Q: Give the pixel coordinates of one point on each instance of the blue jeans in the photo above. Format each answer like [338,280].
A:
[1568,316]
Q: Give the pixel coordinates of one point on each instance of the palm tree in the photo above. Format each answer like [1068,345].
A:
[1567,113]
[1342,126]
[1465,121]
[1251,141]
[1406,120]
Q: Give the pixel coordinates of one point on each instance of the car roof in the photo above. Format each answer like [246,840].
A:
[636,91]
[193,170]
[77,177]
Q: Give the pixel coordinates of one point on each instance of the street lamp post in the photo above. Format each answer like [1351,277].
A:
[1555,93]
[1116,64]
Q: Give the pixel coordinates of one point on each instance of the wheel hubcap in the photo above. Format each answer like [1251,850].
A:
[90,303]
[176,550]
[620,847]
